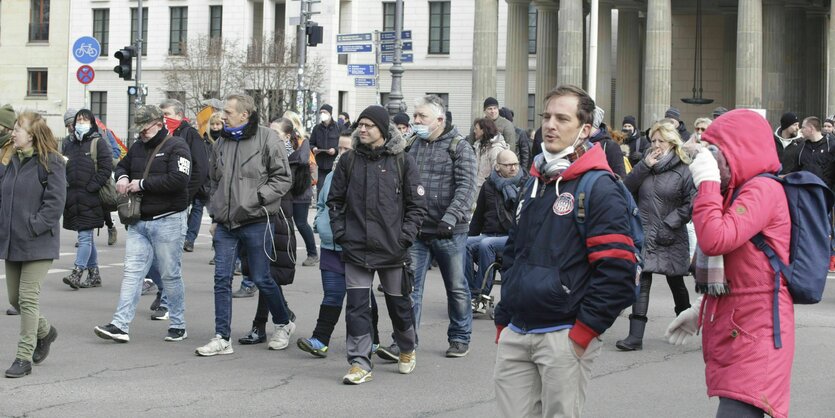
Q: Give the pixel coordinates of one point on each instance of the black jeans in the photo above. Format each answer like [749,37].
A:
[732,408]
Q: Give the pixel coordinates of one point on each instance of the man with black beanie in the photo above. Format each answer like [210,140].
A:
[401,121]
[324,140]
[787,140]
[637,143]
[506,128]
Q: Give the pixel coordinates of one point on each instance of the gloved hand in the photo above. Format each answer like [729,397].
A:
[704,168]
[685,324]
[499,329]
[445,230]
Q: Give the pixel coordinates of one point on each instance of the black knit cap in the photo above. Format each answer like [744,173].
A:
[327,108]
[788,119]
[379,116]
[630,120]
[490,101]
[401,119]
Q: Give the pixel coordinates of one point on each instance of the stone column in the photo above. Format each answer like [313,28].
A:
[485,54]
[793,59]
[830,100]
[546,50]
[604,60]
[774,75]
[516,67]
[627,100]
[658,61]
[729,62]
[570,40]
[749,54]
[814,64]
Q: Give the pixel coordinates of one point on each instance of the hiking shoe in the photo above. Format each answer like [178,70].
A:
[161,314]
[256,336]
[20,368]
[111,235]
[478,305]
[245,292]
[406,363]
[12,311]
[457,349]
[390,353]
[313,346]
[281,337]
[42,347]
[74,279]
[216,345]
[356,375]
[311,260]
[93,279]
[188,246]
[176,334]
[111,332]
[156,302]
[148,287]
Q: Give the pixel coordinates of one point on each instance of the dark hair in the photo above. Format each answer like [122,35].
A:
[814,122]
[87,114]
[345,114]
[488,127]
[346,132]
[285,126]
[585,104]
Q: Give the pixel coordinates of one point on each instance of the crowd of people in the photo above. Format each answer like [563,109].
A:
[397,196]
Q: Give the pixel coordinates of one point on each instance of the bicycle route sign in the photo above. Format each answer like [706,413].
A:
[85,74]
[86,49]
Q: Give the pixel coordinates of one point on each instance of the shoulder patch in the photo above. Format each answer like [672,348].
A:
[420,190]
[564,204]
[184,165]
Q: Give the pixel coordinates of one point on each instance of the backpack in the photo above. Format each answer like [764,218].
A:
[453,146]
[401,161]
[810,208]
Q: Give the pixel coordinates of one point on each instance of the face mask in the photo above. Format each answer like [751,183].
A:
[171,125]
[422,131]
[81,129]
[324,117]
[555,164]
[628,132]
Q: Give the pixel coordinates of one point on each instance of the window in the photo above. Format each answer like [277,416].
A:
[37,82]
[39,21]
[178,31]
[388,16]
[216,21]
[439,27]
[144,28]
[176,95]
[444,97]
[101,28]
[280,17]
[98,104]
[532,15]
[531,111]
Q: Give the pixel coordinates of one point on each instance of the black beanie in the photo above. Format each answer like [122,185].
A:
[788,119]
[490,102]
[630,120]
[506,113]
[379,116]
[327,108]
[401,119]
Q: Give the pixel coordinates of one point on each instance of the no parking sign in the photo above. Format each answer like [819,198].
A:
[85,74]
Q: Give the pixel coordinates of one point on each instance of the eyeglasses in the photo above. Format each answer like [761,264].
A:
[700,129]
[509,165]
[366,126]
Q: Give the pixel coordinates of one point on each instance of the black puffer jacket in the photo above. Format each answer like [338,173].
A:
[199,159]
[325,137]
[282,261]
[83,210]
[614,156]
[375,216]
[165,190]
[638,145]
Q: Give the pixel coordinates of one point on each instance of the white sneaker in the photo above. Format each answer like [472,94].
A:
[356,375]
[281,337]
[216,346]
[407,362]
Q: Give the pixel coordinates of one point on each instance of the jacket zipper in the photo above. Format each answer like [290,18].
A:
[232,178]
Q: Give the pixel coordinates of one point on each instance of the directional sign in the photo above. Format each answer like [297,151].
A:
[351,48]
[388,58]
[353,37]
[362,69]
[407,46]
[389,36]
[86,49]
[85,74]
[365,82]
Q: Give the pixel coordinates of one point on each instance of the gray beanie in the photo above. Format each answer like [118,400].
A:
[69,116]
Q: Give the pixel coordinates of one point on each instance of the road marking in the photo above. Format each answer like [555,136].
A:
[54,271]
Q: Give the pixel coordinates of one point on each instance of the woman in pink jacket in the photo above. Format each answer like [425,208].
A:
[742,366]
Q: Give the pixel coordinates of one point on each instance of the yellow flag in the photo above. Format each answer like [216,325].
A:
[203,119]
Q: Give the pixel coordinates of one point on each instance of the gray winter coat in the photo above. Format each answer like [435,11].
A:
[665,200]
[30,212]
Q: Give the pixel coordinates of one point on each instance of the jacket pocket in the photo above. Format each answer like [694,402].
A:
[731,344]
[538,289]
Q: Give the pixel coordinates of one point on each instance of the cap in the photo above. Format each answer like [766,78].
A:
[145,115]
[673,113]
[788,119]
[490,101]
[379,116]
[7,116]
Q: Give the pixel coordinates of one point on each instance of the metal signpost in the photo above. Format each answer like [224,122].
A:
[86,50]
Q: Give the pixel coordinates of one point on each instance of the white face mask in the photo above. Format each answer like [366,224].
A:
[325,117]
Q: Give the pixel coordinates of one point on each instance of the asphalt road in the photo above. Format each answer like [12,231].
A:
[87,376]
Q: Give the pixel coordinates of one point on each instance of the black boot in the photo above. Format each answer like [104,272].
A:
[93,278]
[19,368]
[74,279]
[635,339]
[42,347]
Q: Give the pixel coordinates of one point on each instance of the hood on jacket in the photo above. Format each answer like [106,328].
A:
[601,134]
[741,134]
[593,159]
[778,133]
[394,145]
[250,130]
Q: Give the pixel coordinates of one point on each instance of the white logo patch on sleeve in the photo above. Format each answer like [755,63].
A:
[184,166]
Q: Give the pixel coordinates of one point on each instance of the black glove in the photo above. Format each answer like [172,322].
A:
[444,230]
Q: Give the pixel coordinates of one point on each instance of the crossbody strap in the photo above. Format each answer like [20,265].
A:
[150,160]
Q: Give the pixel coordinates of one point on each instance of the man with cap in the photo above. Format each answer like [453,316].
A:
[787,140]
[675,115]
[158,235]
[637,143]
[401,122]
[719,111]
[376,205]
[491,111]
[324,140]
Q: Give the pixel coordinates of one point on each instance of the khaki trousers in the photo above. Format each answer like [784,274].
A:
[23,281]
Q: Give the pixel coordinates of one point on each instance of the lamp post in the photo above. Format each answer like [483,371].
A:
[395,104]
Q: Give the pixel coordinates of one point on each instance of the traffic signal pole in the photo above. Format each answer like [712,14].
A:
[140,94]
[301,58]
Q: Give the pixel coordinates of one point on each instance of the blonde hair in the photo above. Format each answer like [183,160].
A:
[43,141]
[705,121]
[297,122]
[215,118]
[669,134]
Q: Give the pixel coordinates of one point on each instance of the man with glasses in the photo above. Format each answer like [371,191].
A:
[492,220]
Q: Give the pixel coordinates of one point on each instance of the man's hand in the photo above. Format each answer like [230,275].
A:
[133,187]
[122,185]
[331,151]
[577,349]
[444,230]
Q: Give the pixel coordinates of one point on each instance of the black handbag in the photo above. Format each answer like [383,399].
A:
[130,204]
[301,179]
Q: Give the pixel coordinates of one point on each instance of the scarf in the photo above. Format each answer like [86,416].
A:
[551,166]
[23,155]
[507,186]
[236,133]
[710,274]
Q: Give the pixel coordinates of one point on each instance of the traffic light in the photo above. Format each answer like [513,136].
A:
[125,67]
[315,33]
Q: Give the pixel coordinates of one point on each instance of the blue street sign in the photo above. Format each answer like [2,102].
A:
[353,37]
[347,49]
[407,46]
[362,69]
[86,49]
[389,36]
[365,82]
[388,58]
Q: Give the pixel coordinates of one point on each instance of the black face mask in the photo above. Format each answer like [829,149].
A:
[215,133]
[628,132]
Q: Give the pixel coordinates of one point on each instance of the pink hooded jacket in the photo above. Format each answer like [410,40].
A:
[737,335]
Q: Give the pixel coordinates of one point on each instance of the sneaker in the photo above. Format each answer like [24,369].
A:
[161,314]
[281,337]
[311,260]
[216,346]
[176,334]
[407,362]
[188,246]
[12,311]
[245,292]
[74,279]
[313,346]
[457,349]
[478,306]
[256,336]
[148,287]
[111,332]
[390,353]
[20,368]
[42,347]
[111,235]
[356,375]
[156,302]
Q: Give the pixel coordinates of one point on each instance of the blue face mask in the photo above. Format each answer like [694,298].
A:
[81,130]
[422,131]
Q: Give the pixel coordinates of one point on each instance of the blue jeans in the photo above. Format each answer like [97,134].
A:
[449,253]
[300,211]
[333,284]
[158,242]
[226,244]
[153,274]
[482,250]
[86,256]
[195,218]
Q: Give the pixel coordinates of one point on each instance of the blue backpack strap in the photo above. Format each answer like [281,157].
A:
[778,267]
[582,194]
